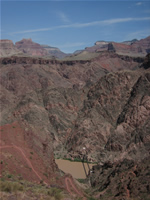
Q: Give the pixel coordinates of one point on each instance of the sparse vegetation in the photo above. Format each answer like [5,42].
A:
[8,186]
[54,192]
[15,186]
[91,198]
[45,174]
[82,180]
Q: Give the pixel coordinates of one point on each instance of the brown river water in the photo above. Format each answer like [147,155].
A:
[76,169]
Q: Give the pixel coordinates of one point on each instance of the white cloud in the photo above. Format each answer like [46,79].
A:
[63,17]
[139,4]
[88,24]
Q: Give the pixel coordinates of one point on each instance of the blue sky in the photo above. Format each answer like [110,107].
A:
[73,25]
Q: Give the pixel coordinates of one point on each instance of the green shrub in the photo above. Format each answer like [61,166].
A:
[91,198]
[82,180]
[45,174]
[9,175]
[55,192]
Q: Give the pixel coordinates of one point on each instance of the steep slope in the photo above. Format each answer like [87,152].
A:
[43,95]
[123,180]
[25,153]
[24,118]
[146,63]
[114,122]
[51,90]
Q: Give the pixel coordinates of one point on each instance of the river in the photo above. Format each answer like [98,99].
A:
[76,169]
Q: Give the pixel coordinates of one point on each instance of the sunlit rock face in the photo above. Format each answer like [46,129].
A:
[137,49]
[31,48]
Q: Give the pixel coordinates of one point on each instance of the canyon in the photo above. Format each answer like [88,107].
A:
[95,102]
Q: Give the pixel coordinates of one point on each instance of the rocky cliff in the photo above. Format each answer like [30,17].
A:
[7,48]
[31,48]
[138,48]
[27,47]
[115,118]
[133,48]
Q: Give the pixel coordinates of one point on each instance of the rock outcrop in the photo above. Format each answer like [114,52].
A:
[7,48]
[138,48]
[133,48]
[27,46]
[124,180]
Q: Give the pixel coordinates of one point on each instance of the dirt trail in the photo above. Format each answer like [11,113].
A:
[69,184]
[25,157]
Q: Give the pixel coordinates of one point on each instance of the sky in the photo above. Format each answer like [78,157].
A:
[73,25]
